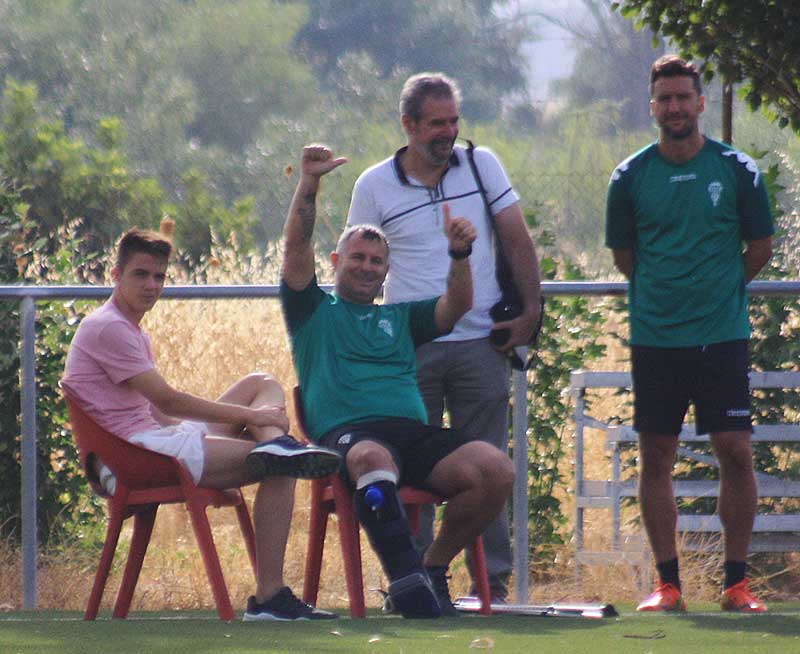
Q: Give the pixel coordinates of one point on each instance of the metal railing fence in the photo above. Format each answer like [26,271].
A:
[27,296]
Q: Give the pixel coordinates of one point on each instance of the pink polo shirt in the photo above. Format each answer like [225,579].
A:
[107,350]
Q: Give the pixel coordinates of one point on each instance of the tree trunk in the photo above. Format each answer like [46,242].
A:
[727,111]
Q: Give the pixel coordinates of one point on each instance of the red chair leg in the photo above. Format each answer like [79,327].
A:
[246,525]
[205,540]
[481,576]
[143,522]
[351,548]
[115,521]
[317,528]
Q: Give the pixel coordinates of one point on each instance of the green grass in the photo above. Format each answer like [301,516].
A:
[704,629]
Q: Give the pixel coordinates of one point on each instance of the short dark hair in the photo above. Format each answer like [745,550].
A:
[673,66]
[422,86]
[367,232]
[142,240]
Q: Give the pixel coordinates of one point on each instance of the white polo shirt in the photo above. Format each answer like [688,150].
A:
[411,215]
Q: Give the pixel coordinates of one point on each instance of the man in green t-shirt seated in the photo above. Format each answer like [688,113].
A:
[356,367]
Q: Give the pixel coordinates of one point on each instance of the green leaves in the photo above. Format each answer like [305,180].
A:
[752,41]
[63,494]
[463,39]
[570,339]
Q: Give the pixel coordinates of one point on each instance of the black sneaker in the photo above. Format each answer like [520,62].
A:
[285,457]
[284,605]
[438,577]
[413,597]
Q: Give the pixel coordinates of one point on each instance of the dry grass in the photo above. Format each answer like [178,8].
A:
[203,347]
[774,576]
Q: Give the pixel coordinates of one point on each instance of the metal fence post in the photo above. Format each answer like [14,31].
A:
[28,294]
[520,517]
[30,543]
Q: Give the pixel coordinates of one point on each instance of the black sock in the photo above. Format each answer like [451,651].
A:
[668,572]
[735,572]
[388,531]
[436,571]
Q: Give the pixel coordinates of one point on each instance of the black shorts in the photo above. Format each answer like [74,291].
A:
[415,447]
[713,377]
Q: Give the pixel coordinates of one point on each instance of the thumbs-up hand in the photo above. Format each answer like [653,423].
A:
[318,160]
[460,233]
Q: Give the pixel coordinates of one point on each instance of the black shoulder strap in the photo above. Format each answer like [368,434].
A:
[479,181]
[502,267]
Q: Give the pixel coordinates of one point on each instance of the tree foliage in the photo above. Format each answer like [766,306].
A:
[570,339]
[64,503]
[182,77]
[775,344]
[61,178]
[607,44]
[245,76]
[462,38]
[200,217]
[11,226]
[756,42]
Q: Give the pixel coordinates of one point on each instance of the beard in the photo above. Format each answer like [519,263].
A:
[679,134]
[438,151]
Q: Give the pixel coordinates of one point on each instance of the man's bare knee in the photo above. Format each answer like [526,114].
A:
[475,465]
[733,450]
[502,472]
[367,456]
[657,454]
[258,387]
[497,473]
[264,383]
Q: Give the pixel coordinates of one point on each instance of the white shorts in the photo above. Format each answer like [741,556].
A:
[183,441]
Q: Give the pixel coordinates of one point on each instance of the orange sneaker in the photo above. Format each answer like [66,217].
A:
[665,598]
[739,598]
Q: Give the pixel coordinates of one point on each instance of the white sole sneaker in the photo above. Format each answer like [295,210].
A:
[274,459]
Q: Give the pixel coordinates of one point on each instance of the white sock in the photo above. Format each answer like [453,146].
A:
[107,479]
[376,475]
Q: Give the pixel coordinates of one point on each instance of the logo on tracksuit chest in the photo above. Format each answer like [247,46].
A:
[714,192]
[386,327]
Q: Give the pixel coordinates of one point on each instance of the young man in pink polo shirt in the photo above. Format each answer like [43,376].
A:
[239,439]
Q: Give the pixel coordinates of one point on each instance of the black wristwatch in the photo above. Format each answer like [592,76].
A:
[460,254]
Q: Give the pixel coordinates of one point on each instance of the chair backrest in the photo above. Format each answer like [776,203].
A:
[133,466]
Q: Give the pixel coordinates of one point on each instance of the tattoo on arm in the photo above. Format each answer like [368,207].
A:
[308,212]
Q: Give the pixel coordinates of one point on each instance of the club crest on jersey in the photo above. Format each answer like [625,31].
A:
[386,326]
[715,190]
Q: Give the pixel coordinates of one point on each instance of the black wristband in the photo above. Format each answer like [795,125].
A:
[460,254]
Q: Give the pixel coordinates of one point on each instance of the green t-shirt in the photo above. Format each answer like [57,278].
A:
[356,362]
[686,224]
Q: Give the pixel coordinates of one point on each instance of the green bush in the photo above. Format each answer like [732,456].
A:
[570,338]
[65,503]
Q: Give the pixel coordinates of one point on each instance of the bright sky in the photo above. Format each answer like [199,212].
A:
[551,55]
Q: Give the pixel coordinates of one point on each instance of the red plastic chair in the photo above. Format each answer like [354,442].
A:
[145,480]
[331,495]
